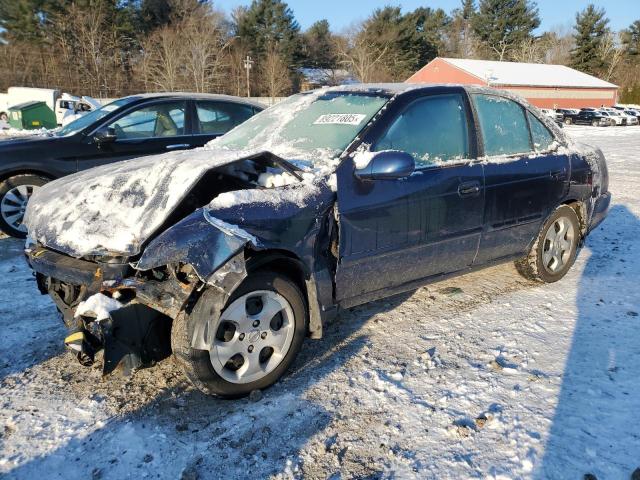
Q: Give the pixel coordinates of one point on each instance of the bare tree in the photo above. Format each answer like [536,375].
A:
[360,57]
[275,75]
[189,53]
[530,50]
[612,52]
[559,44]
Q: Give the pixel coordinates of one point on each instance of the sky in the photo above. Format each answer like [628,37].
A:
[343,13]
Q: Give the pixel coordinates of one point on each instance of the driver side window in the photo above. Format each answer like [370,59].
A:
[433,130]
[159,120]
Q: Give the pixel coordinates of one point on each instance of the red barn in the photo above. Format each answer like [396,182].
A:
[545,86]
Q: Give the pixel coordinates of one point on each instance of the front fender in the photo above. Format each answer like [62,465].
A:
[199,240]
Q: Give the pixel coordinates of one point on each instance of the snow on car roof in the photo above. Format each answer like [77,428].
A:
[207,96]
[527,74]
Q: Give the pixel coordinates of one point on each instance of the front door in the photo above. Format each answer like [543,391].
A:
[394,233]
[157,128]
[525,176]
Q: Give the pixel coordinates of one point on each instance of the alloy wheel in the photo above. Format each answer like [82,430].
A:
[252,337]
[558,245]
[14,205]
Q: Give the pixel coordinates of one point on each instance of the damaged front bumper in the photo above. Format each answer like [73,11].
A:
[145,296]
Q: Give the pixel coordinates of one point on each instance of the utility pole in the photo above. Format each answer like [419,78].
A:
[248,63]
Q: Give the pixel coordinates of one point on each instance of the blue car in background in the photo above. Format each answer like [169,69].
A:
[230,255]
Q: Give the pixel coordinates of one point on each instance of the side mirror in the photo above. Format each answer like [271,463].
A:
[387,165]
[105,136]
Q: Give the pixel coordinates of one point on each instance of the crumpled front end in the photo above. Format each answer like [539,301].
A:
[126,309]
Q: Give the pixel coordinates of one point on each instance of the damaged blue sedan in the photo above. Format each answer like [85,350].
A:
[230,255]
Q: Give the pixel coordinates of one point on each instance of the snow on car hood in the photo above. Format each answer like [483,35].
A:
[115,208]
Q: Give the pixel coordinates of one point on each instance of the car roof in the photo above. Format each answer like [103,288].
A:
[197,96]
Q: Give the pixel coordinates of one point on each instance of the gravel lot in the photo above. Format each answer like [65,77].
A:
[483,376]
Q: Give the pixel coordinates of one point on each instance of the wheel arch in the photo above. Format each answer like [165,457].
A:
[580,207]
[281,261]
[26,171]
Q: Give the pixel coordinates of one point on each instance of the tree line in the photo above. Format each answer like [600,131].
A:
[111,48]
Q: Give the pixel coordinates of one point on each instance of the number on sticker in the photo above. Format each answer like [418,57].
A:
[340,119]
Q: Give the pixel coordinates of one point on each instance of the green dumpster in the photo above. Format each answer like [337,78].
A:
[32,115]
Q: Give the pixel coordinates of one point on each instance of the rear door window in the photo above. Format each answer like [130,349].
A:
[503,125]
[433,130]
[217,118]
[542,138]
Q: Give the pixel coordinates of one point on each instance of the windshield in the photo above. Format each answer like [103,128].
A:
[87,119]
[313,127]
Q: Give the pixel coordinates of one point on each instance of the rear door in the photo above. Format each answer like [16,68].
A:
[525,175]
[151,128]
[394,233]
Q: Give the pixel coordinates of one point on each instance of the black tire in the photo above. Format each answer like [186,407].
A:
[567,121]
[533,267]
[594,123]
[197,365]
[4,117]
[5,187]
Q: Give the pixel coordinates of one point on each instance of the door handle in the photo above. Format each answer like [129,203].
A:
[469,189]
[559,174]
[178,145]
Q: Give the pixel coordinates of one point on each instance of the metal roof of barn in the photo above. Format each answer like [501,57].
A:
[527,74]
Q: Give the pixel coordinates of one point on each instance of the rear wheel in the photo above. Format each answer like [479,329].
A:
[254,340]
[554,251]
[15,193]
[4,117]
[567,121]
[594,123]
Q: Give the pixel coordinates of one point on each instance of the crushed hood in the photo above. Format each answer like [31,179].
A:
[115,208]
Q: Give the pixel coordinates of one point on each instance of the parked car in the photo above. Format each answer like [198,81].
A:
[588,117]
[126,128]
[230,255]
[614,119]
[633,113]
[558,117]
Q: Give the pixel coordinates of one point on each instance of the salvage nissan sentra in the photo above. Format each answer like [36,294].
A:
[230,255]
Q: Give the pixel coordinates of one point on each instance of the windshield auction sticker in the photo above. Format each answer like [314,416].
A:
[340,119]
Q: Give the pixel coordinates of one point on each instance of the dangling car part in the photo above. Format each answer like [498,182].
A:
[331,199]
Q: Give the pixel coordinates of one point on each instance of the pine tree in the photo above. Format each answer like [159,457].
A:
[502,25]
[460,38]
[319,46]
[632,39]
[271,22]
[591,28]
[25,20]
[408,41]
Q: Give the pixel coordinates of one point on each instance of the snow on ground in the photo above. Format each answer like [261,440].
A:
[483,376]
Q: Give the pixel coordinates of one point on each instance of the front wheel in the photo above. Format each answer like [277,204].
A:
[254,340]
[554,251]
[594,123]
[15,193]
[567,121]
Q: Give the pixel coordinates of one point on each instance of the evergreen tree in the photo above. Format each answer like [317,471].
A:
[459,35]
[591,28]
[270,22]
[632,39]
[25,20]
[502,25]
[408,41]
[319,46]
